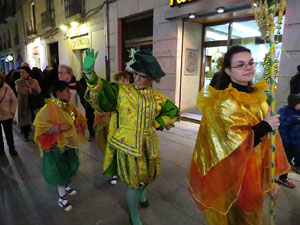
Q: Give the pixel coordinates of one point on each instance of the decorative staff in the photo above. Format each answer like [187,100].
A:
[265,12]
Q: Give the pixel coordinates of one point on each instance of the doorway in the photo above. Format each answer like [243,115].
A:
[54,56]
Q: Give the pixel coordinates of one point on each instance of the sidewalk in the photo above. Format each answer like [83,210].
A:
[26,199]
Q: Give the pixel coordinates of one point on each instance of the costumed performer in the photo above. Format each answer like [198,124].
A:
[230,168]
[133,150]
[107,122]
[59,131]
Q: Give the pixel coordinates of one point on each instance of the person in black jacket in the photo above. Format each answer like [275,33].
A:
[295,82]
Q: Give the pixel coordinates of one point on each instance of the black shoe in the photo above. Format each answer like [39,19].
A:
[25,139]
[91,138]
[13,152]
[145,204]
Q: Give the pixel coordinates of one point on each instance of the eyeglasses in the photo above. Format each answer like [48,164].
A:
[243,66]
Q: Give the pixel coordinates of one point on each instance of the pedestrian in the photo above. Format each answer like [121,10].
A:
[77,89]
[8,105]
[290,133]
[26,86]
[89,112]
[230,169]
[9,79]
[133,150]
[59,130]
[295,82]
[65,73]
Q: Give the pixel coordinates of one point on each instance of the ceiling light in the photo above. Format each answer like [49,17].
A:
[74,24]
[220,9]
[63,27]
[254,4]
[192,16]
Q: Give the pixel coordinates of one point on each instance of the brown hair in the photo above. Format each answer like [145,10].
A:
[120,74]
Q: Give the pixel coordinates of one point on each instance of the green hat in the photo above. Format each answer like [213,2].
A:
[145,62]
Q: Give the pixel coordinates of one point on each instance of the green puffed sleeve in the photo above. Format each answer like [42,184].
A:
[169,114]
[102,95]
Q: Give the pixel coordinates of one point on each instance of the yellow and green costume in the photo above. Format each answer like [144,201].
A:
[59,149]
[133,147]
[229,176]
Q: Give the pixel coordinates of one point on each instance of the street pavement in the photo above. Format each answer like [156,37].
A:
[26,199]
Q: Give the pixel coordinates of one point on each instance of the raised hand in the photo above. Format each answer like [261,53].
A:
[89,61]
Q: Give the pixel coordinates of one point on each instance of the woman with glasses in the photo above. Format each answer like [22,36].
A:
[230,169]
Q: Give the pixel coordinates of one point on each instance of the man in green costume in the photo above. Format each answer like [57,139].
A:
[133,149]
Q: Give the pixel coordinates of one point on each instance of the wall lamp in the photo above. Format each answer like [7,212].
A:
[63,27]
[220,9]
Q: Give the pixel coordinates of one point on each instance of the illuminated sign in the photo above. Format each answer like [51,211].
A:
[35,52]
[80,43]
[179,2]
[9,58]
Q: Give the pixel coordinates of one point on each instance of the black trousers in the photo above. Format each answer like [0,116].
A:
[26,130]
[89,114]
[292,152]
[7,127]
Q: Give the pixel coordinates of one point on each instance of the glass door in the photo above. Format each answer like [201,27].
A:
[213,59]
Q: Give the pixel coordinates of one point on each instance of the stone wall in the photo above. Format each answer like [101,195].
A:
[290,56]
[165,39]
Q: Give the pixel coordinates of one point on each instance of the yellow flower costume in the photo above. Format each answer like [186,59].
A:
[58,148]
[228,175]
[56,112]
[133,146]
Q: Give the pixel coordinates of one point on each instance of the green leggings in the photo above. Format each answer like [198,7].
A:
[134,196]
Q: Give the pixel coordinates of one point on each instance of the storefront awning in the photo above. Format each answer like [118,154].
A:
[203,8]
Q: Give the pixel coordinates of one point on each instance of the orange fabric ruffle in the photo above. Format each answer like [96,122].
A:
[243,177]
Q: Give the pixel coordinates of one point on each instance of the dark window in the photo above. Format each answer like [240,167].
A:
[137,34]
[16,34]
[73,7]
[8,39]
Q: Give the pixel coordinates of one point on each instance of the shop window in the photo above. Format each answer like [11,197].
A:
[246,33]
[216,33]
[212,56]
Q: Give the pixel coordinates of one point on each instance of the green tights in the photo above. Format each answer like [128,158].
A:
[134,196]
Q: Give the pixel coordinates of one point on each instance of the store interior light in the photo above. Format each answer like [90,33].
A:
[74,24]
[192,16]
[220,9]
[255,4]
[63,27]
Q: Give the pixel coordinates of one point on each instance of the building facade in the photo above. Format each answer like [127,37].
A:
[58,32]
[12,39]
[188,37]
